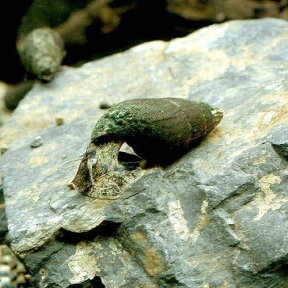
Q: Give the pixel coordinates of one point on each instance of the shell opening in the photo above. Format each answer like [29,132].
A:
[128,158]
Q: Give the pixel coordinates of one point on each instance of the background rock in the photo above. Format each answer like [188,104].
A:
[4,113]
[215,218]
[94,28]
[214,10]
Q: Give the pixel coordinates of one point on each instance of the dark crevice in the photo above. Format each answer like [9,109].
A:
[96,282]
[42,255]
[281,150]
[105,229]
[127,157]
[280,266]
[245,193]
[129,161]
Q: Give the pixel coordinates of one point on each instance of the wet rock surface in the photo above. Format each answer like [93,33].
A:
[217,217]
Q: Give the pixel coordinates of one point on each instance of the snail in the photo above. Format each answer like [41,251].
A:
[16,93]
[42,52]
[158,130]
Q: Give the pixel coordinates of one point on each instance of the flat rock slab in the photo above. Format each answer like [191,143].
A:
[217,217]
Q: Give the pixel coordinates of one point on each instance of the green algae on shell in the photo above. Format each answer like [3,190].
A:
[157,128]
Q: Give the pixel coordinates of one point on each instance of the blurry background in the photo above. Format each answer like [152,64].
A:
[96,28]
[92,29]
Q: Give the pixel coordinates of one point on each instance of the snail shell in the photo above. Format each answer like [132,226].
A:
[42,52]
[157,129]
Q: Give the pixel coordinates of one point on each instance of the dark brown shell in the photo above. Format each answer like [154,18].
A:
[157,128]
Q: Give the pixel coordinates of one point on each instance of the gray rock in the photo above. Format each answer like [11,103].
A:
[217,217]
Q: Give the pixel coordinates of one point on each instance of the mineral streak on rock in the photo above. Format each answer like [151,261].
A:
[42,52]
[158,130]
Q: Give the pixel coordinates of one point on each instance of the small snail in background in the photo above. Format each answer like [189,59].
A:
[16,93]
[158,130]
[42,52]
